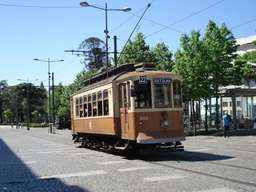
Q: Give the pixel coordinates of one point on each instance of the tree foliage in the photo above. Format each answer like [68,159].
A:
[191,63]
[136,51]
[162,57]
[94,57]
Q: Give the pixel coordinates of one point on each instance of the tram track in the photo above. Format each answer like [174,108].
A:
[206,174]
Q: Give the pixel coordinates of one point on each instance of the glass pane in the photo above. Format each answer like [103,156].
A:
[142,94]
[162,96]
[177,94]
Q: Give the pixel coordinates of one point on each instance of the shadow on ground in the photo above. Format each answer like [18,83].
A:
[15,176]
[182,156]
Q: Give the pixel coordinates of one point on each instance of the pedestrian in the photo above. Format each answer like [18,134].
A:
[226,124]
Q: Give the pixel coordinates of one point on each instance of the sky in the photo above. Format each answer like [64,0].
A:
[29,30]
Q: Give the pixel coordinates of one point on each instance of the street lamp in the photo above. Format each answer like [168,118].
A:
[106,9]
[49,61]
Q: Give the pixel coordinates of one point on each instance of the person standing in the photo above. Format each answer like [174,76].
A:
[226,124]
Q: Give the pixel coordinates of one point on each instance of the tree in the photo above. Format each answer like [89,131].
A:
[191,63]
[95,56]
[136,51]
[162,56]
[3,88]
[221,47]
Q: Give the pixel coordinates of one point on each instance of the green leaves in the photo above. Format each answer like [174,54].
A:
[138,51]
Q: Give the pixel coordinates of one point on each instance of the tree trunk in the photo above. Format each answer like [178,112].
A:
[206,118]
[210,109]
[217,124]
[193,117]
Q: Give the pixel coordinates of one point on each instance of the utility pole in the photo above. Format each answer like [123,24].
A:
[115,50]
[53,102]
[49,61]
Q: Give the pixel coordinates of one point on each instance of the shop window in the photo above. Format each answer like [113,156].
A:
[225,104]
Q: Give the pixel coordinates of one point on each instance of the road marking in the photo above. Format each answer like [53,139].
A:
[230,159]
[78,154]
[110,162]
[133,169]
[218,190]
[198,150]
[30,162]
[79,174]
[162,178]
[49,152]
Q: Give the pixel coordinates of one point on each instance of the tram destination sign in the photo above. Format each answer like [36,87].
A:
[162,81]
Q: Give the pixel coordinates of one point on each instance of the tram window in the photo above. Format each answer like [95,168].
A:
[81,107]
[94,105]
[105,102]
[177,94]
[162,94]
[142,94]
[129,94]
[89,105]
[77,107]
[100,103]
[85,106]
[121,103]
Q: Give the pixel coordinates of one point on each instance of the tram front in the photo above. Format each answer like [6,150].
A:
[156,113]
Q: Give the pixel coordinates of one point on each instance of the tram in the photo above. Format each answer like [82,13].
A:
[130,106]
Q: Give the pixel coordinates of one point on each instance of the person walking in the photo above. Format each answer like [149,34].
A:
[226,124]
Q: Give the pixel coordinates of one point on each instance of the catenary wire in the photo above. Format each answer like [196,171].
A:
[185,18]
[244,23]
[38,6]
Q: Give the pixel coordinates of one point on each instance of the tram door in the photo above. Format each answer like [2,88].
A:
[124,98]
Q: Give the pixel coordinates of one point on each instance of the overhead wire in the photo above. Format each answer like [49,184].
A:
[244,23]
[37,6]
[185,18]
[132,16]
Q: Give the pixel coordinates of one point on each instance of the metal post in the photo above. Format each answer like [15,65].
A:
[115,50]
[106,32]
[49,97]
[53,104]
[28,108]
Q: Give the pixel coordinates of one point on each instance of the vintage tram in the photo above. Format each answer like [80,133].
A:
[130,106]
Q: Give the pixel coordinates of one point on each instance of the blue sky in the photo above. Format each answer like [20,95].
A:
[28,33]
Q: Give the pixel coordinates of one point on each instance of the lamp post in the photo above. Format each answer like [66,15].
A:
[49,61]
[106,9]
[28,100]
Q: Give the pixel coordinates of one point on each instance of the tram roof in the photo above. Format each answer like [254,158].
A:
[122,72]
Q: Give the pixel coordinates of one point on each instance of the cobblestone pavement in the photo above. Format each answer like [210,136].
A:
[37,161]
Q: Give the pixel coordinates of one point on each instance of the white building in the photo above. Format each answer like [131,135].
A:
[244,105]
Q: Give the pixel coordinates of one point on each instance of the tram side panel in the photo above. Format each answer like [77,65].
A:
[156,127]
[102,125]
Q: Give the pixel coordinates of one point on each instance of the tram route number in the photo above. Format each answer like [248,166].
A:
[142,80]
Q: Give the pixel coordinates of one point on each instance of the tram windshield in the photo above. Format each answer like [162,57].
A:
[165,94]
[162,93]
[142,95]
